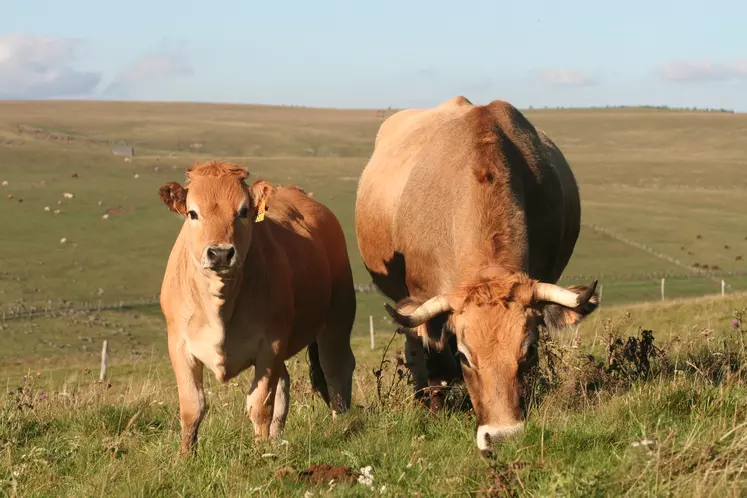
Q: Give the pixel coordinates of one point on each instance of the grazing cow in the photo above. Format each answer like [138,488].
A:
[256,274]
[466,216]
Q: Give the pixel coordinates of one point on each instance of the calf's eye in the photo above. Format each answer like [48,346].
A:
[192,215]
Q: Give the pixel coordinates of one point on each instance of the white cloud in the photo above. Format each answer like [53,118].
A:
[703,70]
[36,67]
[565,77]
[147,70]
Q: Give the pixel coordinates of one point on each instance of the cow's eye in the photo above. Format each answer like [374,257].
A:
[463,359]
[192,215]
[243,212]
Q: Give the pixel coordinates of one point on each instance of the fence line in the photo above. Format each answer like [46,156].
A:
[71,309]
[651,251]
[53,312]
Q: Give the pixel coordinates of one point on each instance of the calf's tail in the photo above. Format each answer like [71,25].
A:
[316,375]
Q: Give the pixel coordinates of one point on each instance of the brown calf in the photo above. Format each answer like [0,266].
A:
[256,274]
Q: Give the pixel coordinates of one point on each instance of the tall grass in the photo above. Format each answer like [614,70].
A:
[633,416]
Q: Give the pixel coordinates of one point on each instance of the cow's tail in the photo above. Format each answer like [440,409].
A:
[316,375]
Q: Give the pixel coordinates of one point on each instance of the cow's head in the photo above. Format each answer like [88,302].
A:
[220,210]
[495,318]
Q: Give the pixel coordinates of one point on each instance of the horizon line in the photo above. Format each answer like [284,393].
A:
[661,107]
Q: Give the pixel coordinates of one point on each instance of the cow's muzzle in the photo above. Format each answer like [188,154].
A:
[489,436]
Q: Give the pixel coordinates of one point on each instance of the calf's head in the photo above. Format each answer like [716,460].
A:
[495,317]
[220,209]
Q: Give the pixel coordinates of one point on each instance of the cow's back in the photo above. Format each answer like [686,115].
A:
[423,217]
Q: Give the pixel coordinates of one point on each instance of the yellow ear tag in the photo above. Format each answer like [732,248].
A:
[260,211]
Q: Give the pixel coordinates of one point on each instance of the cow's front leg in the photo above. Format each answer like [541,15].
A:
[188,371]
[442,370]
[415,358]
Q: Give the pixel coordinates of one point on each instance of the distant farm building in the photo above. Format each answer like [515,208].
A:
[124,150]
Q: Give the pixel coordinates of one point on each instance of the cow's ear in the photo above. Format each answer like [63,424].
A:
[174,196]
[435,332]
[260,193]
[557,316]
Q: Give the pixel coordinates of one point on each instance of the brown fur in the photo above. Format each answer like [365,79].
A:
[289,286]
[475,204]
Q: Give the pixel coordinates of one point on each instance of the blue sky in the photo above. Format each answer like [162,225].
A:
[405,53]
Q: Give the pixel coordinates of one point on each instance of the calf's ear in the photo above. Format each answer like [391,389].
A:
[260,193]
[174,196]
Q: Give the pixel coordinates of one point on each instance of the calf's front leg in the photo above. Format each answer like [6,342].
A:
[282,403]
[261,398]
[188,371]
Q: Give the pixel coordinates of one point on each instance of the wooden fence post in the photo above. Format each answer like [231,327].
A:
[662,289]
[104,358]
[723,288]
[371,329]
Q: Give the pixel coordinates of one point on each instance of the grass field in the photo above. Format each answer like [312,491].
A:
[660,190]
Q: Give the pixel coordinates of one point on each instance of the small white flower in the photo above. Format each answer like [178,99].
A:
[645,442]
[366,477]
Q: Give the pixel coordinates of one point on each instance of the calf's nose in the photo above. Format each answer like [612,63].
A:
[220,255]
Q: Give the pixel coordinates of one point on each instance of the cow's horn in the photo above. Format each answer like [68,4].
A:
[432,307]
[564,297]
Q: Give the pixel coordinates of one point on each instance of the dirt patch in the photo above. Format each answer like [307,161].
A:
[503,479]
[320,474]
